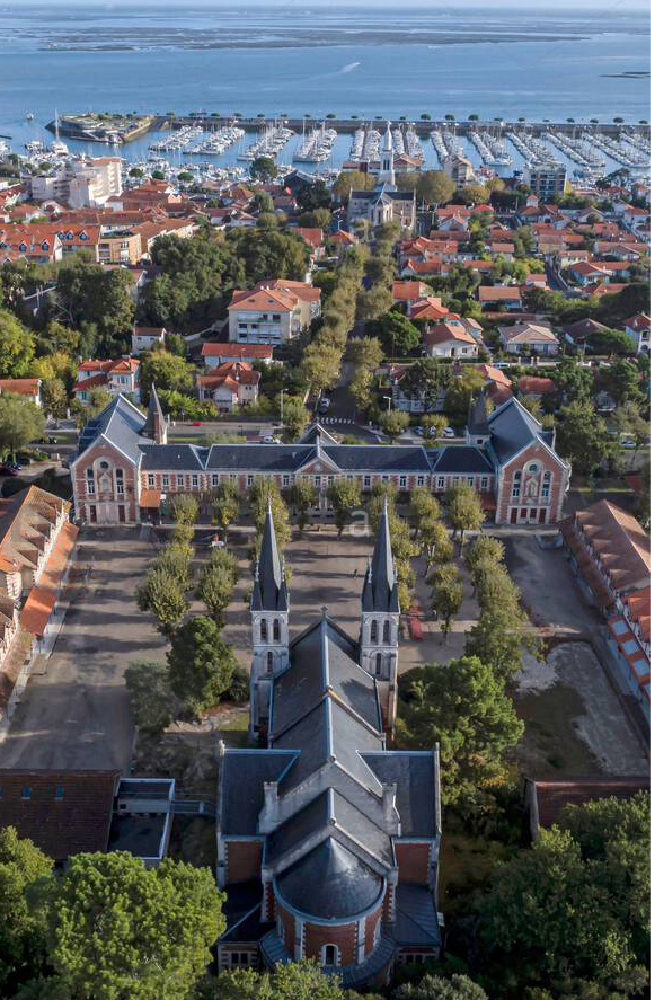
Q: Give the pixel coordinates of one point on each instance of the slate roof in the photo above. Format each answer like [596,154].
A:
[121,423]
[171,457]
[416,919]
[380,590]
[413,773]
[323,658]
[330,882]
[242,787]
[269,590]
[465,459]
[154,413]
[512,428]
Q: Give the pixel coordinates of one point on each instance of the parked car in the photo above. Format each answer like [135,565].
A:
[324,405]
[6,470]
[270,439]
[448,432]
[418,431]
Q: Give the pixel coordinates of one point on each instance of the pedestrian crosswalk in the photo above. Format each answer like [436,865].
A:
[336,420]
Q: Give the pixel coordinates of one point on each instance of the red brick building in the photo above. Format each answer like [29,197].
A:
[328,844]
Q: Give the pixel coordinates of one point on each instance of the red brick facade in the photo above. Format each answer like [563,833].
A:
[413,862]
[106,497]
[242,859]
[531,488]
[344,936]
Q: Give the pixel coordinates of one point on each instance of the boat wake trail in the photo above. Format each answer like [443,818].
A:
[349,67]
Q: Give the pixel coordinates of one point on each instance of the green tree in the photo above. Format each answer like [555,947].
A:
[21,421]
[163,594]
[217,583]
[22,928]
[503,628]
[534,925]
[55,397]
[398,335]
[88,293]
[582,436]
[424,506]
[260,493]
[464,509]
[533,405]
[166,371]
[153,705]
[622,381]
[295,981]
[16,347]
[394,422]
[484,549]
[360,387]
[352,180]
[195,275]
[437,545]
[433,426]
[365,351]
[226,507]
[434,187]
[184,508]
[303,495]
[259,254]
[463,706]
[447,594]
[431,987]
[345,496]
[263,168]
[295,417]
[608,341]
[118,929]
[321,367]
[200,664]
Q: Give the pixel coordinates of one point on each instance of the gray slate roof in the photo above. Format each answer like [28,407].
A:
[121,423]
[512,428]
[413,773]
[269,590]
[380,590]
[467,459]
[330,882]
[172,457]
[323,658]
[242,787]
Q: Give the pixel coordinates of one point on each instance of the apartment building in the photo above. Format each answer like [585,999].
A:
[82,182]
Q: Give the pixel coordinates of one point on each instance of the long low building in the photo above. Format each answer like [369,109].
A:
[125,468]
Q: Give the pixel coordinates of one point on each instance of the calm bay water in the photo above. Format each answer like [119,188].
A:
[344,62]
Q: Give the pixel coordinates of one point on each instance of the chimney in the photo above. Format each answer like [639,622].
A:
[269,816]
[389,813]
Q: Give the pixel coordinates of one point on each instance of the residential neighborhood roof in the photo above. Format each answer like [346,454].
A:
[62,812]
[527,333]
[498,293]
[443,332]
[619,542]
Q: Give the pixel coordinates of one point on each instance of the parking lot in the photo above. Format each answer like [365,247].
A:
[77,715]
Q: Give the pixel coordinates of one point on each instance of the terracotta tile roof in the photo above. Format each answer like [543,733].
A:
[237,350]
[269,299]
[94,382]
[301,289]
[62,812]
[21,386]
[498,293]
[447,331]
[494,375]
[43,597]
[313,237]
[429,308]
[403,291]
[553,796]
[639,322]
[26,522]
[150,498]
[342,236]
[527,333]
[536,385]
[620,542]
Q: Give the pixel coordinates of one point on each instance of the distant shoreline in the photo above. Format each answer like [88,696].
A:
[317,40]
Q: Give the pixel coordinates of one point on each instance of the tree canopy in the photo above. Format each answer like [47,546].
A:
[200,664]
[118,929]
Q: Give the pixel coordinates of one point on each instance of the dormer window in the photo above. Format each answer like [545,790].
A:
[83,235]
[22,247]
[45,245]
[69,235]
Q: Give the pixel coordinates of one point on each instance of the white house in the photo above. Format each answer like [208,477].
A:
[637,328]
[527,338]
[144,338]
[449,340]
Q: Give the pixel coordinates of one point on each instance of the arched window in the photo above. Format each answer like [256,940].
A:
[547,477]
[386,632]
[263,630]
[330,954]
[533,468]
[374,630]
[378,663]
[103,465]
[276,631]
[517,475]
[270,662]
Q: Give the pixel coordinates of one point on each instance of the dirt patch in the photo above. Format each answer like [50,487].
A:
[536,675]
[552,746]
[187,757]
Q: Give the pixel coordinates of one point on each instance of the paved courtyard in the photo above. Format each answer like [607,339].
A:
[77,715]
[327,571]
